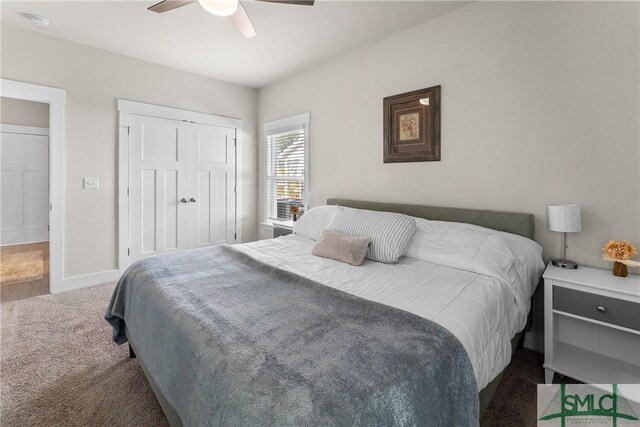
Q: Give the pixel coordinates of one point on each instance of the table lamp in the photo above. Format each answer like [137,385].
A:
[565,219]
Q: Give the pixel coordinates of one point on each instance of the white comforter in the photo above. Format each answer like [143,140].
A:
[480,310]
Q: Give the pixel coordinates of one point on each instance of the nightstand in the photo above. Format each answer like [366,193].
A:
[282,228]
[592,325]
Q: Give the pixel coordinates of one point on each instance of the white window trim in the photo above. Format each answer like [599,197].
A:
[274,125]
[287,123]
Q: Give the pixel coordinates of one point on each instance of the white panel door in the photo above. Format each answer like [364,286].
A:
[24,188]
[212,207]
[158,186]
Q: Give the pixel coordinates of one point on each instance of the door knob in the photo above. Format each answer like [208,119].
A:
[192,200]
[183,200]
[601,309]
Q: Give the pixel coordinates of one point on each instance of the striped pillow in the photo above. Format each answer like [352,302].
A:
[390,233]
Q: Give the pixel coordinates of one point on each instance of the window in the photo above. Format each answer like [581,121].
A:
[287,157]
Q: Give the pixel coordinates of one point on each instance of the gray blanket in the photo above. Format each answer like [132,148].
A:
[232,341]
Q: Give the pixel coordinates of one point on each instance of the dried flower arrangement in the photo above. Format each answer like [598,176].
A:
[295,210]
[620,253]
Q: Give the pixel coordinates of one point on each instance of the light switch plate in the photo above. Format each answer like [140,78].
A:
[90,183]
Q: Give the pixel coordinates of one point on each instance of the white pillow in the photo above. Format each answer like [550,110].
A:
[390,233]
[314,221]
[508,257]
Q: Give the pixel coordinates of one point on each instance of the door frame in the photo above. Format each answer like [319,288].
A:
[56,98]
[125,109]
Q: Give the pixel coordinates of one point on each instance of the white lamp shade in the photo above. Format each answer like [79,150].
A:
[220,7]
[565,218]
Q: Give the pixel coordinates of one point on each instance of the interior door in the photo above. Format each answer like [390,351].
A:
[24,188]
[212,185]
[158,186]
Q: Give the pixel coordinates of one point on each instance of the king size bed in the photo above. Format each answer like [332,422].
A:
[266,333]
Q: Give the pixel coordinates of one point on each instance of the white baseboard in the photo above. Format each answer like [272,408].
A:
[534,342]
[87,280]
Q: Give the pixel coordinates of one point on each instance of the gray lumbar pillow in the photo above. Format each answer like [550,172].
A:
[342,247]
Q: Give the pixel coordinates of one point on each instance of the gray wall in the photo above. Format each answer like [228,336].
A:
[94,79]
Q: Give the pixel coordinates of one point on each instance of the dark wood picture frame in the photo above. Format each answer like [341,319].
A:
[412,126]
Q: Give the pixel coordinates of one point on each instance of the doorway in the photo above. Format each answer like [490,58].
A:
[24,193]
[55,99]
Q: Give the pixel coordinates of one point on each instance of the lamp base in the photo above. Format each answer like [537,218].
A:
[564,264]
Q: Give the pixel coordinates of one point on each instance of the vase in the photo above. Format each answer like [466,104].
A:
[620,269]
[295,218]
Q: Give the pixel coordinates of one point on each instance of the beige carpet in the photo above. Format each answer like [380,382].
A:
[60,367]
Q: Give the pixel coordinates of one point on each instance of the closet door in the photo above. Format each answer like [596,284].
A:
[212,206]
[158,186]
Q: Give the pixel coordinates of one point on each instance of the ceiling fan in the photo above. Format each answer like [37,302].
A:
[231,8]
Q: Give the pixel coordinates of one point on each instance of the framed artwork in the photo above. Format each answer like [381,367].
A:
[412,126]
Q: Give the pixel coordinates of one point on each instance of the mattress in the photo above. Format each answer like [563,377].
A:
[479,310]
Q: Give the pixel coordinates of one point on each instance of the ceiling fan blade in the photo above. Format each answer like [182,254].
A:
[242,22]
[299,2]
[167,5]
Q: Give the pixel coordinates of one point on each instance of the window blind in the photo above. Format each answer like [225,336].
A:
[286,163]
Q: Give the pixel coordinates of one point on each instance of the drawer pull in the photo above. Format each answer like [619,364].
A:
[601,309]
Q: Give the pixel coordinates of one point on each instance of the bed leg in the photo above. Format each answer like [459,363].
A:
[520,345]
[132,354]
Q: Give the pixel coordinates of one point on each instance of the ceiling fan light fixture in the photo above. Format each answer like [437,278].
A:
[220,7]
[39,21]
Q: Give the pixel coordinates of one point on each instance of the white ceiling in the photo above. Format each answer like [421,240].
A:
[290,38]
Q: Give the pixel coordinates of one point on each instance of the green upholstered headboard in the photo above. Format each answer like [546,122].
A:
[511,222]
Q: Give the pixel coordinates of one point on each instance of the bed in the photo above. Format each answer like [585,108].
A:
[475,314]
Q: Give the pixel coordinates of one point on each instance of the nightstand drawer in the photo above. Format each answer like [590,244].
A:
[605,309]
